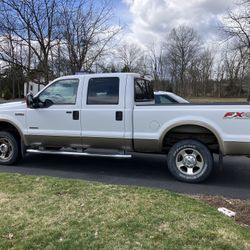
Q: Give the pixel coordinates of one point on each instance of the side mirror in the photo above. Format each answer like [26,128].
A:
[30,100]
[48,103]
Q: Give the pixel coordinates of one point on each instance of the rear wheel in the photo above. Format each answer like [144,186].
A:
[9,150]
[190,161]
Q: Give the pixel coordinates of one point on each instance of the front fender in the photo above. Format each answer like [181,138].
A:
[15,123]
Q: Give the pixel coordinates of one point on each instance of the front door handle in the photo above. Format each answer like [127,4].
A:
[75,114]
[119,115]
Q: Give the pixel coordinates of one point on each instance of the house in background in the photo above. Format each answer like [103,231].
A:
[32,87]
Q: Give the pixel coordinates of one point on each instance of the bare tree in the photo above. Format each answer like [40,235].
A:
[206,69]
[131,57]
[157,61]
[11,50]
[220,76]
[87,31]
[236,63]
[34,24]
[237,28]
[183,46]
[237,23]
[47,38]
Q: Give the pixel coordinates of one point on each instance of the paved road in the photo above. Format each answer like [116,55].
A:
[142,170]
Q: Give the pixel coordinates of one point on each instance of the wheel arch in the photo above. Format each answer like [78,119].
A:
[192,130]
[9,126]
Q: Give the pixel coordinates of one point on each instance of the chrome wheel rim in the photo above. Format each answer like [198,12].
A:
[6,149]
[189,161]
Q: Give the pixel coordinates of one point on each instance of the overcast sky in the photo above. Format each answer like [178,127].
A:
[151,20]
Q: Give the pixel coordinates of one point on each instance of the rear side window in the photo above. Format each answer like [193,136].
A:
[143,90]
[103,91]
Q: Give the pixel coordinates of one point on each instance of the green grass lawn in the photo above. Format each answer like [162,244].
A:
[53,213]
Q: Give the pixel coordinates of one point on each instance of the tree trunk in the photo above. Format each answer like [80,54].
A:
[13,87]
[248,93]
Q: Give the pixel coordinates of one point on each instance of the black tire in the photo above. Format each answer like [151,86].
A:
[190,161]
[9,149]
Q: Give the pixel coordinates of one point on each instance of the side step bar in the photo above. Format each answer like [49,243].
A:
[36,151]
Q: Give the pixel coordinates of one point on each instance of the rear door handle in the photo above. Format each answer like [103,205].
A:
[76,115]
[119,115]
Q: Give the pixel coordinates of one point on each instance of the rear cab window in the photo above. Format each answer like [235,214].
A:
[143,90]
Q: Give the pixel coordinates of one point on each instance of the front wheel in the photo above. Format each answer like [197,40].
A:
[190,161]
[9,149]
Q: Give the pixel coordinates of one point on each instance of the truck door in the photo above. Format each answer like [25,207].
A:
[59,124]
[102,115]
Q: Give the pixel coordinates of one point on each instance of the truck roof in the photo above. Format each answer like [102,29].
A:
[102,75]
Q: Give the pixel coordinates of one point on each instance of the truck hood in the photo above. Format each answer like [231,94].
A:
[21,105]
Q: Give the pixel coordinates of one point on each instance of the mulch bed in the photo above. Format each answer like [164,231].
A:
[241,207]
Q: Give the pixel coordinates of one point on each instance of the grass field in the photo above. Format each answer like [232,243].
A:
[53,213]
[214,99]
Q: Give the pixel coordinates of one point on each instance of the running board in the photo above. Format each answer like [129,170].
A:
[36,151]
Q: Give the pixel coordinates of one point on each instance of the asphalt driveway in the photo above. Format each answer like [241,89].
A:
[142,170]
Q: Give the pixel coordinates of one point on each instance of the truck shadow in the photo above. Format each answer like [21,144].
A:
[141,170]
[138,167]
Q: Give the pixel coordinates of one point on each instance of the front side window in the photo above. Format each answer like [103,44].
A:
[103,91]
[143,90]
[61,92]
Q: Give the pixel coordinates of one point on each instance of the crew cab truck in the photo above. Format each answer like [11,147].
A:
[114,115]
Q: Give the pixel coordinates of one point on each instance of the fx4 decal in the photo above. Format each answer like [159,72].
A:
[237,115]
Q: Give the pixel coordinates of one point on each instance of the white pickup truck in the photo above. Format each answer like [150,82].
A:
[114,115]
